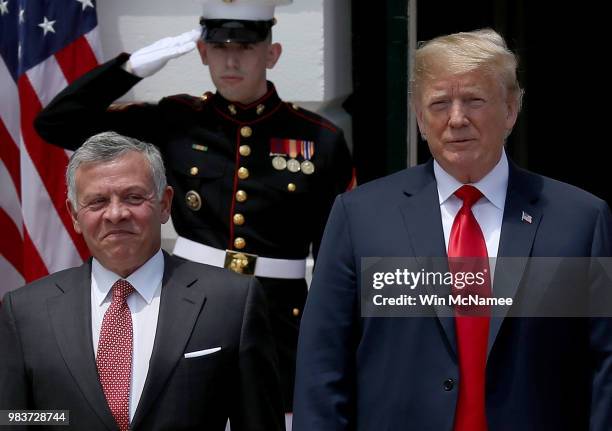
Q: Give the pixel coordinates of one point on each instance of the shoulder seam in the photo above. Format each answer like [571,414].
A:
[312,120]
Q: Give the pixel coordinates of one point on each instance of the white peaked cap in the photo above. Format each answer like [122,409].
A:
[248,10]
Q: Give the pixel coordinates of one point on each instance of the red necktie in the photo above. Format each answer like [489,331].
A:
[467,240]
[114,358]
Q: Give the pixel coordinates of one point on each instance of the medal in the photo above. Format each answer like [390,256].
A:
[279,163]
[293,165]
[307,167]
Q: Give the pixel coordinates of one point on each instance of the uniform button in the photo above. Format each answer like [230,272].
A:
[448,384]
[241,196]
[193,200]
[296,312]
[239,243]
[204,97]
[243,173]
[245,150]
[294,106]
[246,132]
[194,171]
[291,187]
[260,109]
[238,219]
[232,109]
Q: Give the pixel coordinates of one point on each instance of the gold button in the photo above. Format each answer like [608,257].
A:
[238,219]
[294,106]
[239,243]
[296,312]
[194,171]
[260,109]
[241,196]
[246,132]
[243,173]
[232,109]
[245,150]
[204,97]
[291,187]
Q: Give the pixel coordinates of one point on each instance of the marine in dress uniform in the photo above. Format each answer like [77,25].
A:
[253,183]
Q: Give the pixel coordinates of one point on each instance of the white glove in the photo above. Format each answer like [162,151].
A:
[150,59]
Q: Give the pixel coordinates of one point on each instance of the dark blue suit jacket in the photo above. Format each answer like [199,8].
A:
[390,374]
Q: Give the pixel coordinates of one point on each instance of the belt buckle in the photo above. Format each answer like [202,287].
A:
[242,263]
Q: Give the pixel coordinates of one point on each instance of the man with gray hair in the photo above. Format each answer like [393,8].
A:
[135,338]
[454,367]
[254,176]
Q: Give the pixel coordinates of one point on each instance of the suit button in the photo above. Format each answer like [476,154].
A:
[194,170]
[245,150]
[243,173]
[241,196]
[238,219]
[448,384]
[296,312]
[291,187]
[246,132]
[239,243]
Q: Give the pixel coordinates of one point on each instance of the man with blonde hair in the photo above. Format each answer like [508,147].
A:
[456,364]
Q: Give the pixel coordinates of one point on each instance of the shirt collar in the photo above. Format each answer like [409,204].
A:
[493,185]
[145,279]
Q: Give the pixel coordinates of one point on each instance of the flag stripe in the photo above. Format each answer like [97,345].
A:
[10,275]
[47,231]
[35,267]
[47,80]
[9,155]
[9,201]
[48,161]
[93,38]
[10,241]
[76,59]
[9,107]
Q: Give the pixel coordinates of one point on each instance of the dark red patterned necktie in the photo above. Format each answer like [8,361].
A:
[467,240]
[114,359]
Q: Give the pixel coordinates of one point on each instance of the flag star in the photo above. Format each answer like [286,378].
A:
[19,52]
[47,26]
[21,16]
[4,7]
[86,3]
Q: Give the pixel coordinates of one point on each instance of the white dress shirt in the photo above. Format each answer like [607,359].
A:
[144,308]
[488,210]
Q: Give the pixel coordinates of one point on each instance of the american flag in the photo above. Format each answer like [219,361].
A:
[44,45]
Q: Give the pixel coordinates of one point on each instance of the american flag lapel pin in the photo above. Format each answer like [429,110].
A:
[526,217]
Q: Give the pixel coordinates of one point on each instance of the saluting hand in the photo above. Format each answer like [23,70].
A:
[150,59]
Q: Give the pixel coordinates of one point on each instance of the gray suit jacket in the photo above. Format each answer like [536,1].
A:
[47,359]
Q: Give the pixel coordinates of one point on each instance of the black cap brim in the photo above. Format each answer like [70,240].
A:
[239,31]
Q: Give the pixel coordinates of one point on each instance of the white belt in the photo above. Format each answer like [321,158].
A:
[263,266]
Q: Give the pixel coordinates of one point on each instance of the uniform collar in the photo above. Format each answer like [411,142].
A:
[242,113]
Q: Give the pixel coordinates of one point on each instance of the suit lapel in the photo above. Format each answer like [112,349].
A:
[180,306]
[422,218]
[521,219]
[70,315]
